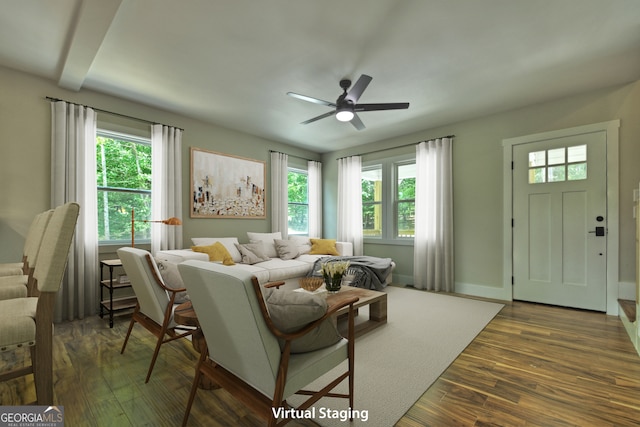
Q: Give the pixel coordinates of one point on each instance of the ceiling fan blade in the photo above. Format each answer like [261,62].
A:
[378,107]
[357,123]
[356,90]
[311,99]
[322,116]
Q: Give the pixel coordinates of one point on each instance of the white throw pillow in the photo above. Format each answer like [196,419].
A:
[303,242]
[268,240]
[172,279]
[228,242]
[291,311]
[287,249]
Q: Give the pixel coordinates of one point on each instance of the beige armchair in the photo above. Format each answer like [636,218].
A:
[247,354]
[154,310]
[28,322]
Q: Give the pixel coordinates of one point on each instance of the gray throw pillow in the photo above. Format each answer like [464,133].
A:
[252,253]
[287,249]
[290,311]
[172,279]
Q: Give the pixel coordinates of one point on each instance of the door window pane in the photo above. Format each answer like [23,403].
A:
[537,175]
[556,157]
[557,173]
[537,158]
[577,171]
[577,153]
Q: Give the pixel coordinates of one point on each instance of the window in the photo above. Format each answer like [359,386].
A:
[405,199]
[372,201]
[388,200]
[124,183]
[298,202]
[558,164]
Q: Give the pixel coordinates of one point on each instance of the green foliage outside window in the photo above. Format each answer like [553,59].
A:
[406,207]
[298,198]
[123,177]
[371,208]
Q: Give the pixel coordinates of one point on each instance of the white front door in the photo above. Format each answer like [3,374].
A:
[560,221]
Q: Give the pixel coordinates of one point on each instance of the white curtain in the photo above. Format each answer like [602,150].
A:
[166,186]
[73,179]
[433,243]
[350,202]
[279,194]
[314,171]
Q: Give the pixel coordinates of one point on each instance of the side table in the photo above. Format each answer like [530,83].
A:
[112,305]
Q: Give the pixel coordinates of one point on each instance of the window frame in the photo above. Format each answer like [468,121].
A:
[102,132]
[389,203]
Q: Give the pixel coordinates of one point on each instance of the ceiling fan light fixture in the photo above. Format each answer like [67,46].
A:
[344,113]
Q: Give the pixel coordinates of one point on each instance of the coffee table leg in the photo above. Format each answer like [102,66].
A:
[378,311]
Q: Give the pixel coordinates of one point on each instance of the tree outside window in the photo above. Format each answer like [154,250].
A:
[124,183]
[406,200]
[372,201]
[298,202]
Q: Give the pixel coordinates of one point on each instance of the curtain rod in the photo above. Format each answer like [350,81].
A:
[393,148]
[111,112]
[291,155]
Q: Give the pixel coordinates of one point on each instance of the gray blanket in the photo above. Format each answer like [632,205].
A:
[369,272]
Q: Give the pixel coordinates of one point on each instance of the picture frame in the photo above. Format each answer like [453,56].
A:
[227,186]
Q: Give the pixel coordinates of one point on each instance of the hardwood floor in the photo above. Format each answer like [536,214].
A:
[533,365]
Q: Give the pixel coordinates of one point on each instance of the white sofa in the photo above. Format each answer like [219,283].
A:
[275,269]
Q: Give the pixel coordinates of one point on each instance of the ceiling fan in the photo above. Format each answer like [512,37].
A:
[346,106]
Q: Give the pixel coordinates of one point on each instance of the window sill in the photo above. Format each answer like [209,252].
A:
[392,242]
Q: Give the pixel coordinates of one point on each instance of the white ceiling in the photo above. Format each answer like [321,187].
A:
[231,62]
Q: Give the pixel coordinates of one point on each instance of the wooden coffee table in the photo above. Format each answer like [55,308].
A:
[377,302]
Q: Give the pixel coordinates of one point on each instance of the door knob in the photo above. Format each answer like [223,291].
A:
[599,231]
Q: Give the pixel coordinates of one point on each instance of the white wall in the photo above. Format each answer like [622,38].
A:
[478,180]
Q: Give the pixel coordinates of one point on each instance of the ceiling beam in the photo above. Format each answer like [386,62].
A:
[93,20]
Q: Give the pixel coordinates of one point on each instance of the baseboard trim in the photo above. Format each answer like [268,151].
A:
[484,291]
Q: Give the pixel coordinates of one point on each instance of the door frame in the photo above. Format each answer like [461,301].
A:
[612,164]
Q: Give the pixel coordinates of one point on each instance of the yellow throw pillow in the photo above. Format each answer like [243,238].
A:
[216,252]
[323,247]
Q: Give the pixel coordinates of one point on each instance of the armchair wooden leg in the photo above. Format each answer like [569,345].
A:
[133,321]
[194,386]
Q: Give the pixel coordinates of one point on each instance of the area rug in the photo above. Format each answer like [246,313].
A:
[396,363]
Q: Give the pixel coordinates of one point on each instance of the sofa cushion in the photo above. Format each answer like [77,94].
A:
[216,252]
[268,241]
[172,279]
[228,242]
[290,311]
[252,253]
[280,269]
[287,249]
[323,247]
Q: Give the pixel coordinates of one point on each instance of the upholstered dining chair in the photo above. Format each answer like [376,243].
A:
[20,268]
[28,322]
[154,309]
[20,286]
[248,355]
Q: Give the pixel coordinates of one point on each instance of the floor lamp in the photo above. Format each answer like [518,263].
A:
[169,221]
